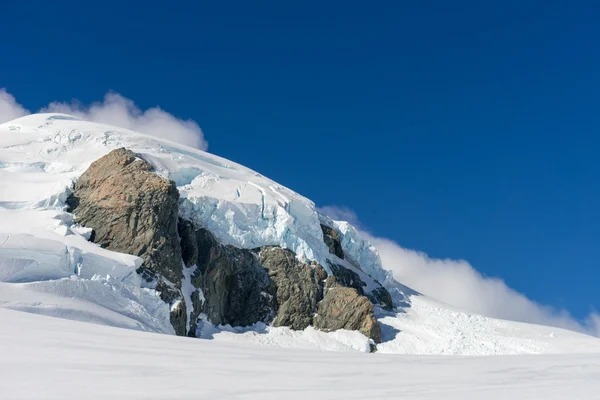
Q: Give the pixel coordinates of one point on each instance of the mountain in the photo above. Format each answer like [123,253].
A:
[101,224]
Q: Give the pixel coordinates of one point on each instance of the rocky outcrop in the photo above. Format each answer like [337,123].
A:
[344,308]
[236,288]
[382,297]
[270,284]
[299,286]
[332,240]
[131,210]
[178,318]
[348,278]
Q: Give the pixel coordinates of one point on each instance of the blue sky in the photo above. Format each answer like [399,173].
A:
[461,129]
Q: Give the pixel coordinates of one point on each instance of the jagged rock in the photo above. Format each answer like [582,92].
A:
[346,277]
[343,308]
[197,309]
[237,289]
[131,210]
[332,240]
[299,286]
[178,318]
[188,242]
[169,293]
[382,297]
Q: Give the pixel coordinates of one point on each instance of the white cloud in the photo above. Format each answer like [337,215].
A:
[119,111]
[9,108]
[457,283]
[340,213]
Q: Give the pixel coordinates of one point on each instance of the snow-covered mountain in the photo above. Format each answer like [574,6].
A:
[50,265]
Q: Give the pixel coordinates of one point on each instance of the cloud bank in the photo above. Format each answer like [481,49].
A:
[9,108]
[117,110]
[457,283]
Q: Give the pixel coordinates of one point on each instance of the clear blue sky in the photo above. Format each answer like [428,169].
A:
[463,129]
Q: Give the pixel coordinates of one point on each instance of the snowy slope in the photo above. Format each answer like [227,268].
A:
[48,267]
[427,328]
[40,157]
[48,358]
[41,154]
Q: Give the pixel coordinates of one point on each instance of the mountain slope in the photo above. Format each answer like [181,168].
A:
[48,266]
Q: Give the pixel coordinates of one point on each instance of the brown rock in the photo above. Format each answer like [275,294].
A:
[331,237]
[343,308]
[131,210]
[299,286]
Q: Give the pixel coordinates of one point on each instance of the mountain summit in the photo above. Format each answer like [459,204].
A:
[106,225]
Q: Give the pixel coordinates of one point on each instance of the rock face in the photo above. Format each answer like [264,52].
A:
[131,210]
[382,297]
[343,308]
[348,278]
[299,286]
[332,240]
[178,318]
[236,288]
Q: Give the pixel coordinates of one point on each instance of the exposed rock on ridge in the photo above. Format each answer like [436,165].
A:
[299,286]
[343,308]
[133,210]
[331,237]
[236,288]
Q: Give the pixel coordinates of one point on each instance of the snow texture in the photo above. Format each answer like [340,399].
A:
[49,358]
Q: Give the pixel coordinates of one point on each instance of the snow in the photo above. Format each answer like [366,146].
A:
[42,154]
[49,358]
[266,336]
[187,288]
[48,267]
[430,327]
[101,300]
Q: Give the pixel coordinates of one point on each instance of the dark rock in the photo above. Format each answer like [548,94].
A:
[299,286]
[169,293]
[343,308]
[237,289]
[131,210]
[178,318]
[382,297]
[197,304]
[332,240]
[188,242]
[346,277]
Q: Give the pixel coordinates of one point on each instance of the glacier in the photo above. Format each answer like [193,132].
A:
[42,155]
